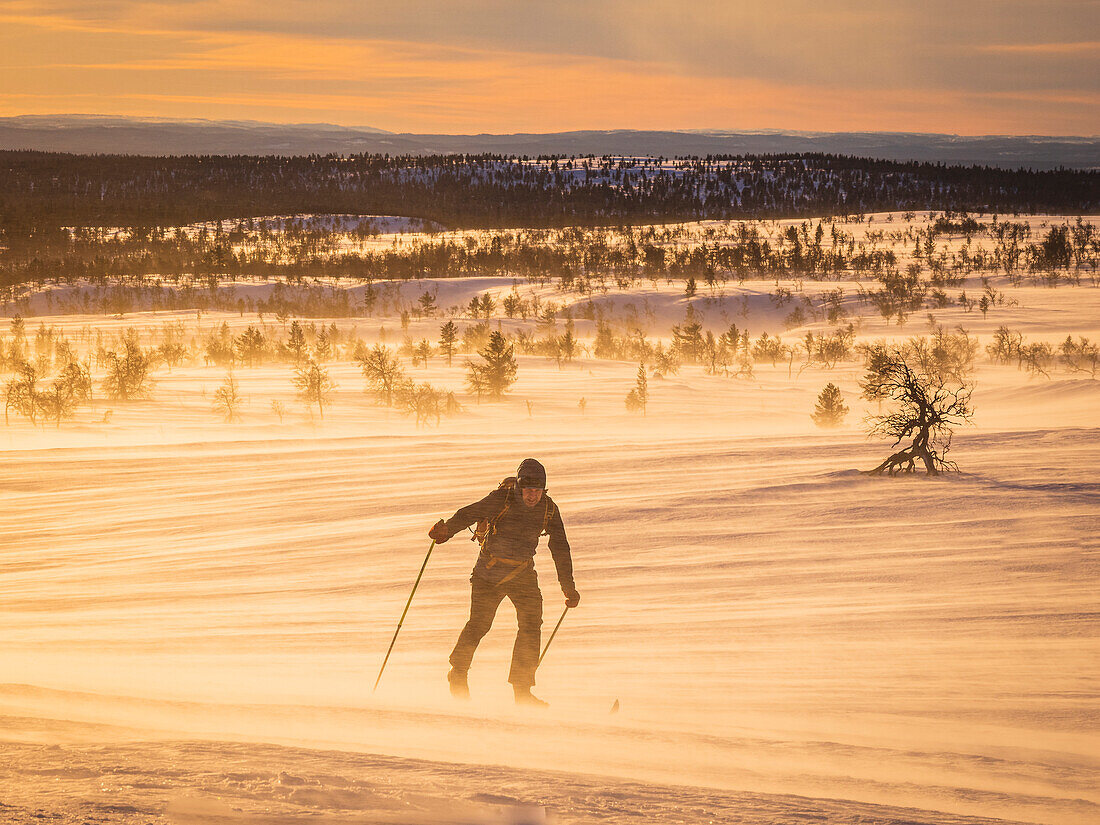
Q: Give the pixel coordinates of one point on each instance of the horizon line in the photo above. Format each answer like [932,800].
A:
[717,132]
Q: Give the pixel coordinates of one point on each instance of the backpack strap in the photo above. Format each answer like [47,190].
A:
[487,527]
[548,514]
[517,566]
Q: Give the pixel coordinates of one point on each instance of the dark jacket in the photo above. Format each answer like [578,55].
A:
[517,534]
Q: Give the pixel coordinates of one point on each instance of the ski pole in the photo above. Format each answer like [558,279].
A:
[401,621]
[552,635]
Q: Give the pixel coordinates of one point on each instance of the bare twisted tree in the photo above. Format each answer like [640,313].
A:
[929,405]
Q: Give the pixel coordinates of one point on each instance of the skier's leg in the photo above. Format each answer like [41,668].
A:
[485,598]
[525,595]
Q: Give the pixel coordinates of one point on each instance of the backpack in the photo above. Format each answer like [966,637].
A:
[487,527]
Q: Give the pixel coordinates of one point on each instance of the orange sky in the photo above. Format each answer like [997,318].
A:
[1008,67]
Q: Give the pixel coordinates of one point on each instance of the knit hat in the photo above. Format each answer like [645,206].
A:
[531,474]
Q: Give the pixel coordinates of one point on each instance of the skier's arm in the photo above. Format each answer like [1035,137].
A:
[484,509]
[563,558]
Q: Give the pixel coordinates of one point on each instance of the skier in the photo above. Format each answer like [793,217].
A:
[510,521]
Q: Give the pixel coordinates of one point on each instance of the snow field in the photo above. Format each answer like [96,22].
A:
[194,612]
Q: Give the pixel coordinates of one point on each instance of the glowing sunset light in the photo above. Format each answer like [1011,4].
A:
[489,67]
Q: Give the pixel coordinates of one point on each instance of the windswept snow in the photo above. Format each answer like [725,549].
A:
[194,783]
[194,612]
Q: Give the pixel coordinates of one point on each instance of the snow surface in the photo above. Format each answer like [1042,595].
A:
[194,613]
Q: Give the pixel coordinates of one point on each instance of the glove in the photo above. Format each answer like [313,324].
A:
[439,533]
[572,598]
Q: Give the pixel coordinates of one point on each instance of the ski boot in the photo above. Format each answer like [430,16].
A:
[526,698]
[460,689]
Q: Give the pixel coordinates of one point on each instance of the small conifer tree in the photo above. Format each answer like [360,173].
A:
[830,408]
[638,397]
[296,343]
[250,345]
[322,348]
[498,372]
[567,346]
[422,351]
[427,304]
[448,336]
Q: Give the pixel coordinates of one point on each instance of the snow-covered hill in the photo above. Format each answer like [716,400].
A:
[145,136]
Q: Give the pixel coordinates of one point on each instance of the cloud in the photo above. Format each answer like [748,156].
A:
[1084,47]
[506,66]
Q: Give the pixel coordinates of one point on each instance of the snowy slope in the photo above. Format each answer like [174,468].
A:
[194,612]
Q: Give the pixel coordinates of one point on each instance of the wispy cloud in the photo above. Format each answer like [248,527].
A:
[1081,47]
[490,65]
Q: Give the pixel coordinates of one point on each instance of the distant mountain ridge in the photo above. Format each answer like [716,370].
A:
[97,134]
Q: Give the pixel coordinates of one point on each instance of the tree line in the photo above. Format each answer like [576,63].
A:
[39,190]
[174,268]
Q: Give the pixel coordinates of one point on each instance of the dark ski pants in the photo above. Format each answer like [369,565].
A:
[485,598]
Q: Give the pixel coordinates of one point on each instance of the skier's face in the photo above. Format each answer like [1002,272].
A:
[531,495]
